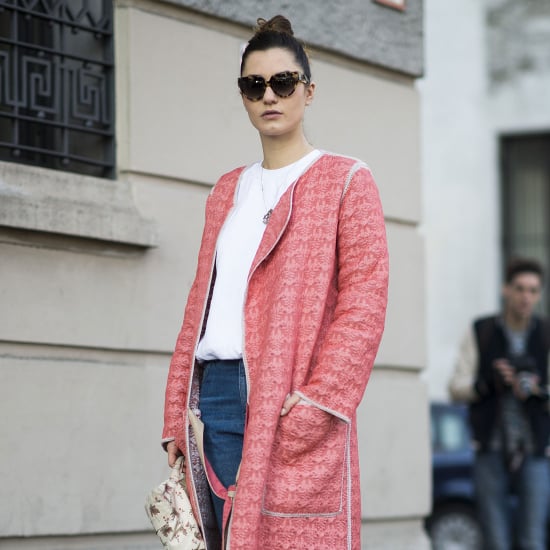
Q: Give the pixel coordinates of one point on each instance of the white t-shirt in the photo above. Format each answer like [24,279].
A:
[259,191]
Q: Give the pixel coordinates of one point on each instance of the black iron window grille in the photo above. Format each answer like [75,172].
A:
[57,84]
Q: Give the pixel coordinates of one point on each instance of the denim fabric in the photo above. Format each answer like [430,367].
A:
[493,483]
[223,407]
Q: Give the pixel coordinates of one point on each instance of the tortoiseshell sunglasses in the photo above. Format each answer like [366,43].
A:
[283,84]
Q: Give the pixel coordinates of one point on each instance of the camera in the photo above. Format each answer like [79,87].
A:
[525,367]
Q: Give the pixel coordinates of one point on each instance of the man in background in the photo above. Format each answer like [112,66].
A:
[502,372]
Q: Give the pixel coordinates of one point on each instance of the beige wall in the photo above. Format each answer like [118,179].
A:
[87,327]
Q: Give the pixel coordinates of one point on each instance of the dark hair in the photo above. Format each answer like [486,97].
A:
[523,265]
[277,33]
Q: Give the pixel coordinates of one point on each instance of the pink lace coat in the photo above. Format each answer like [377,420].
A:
[314,317]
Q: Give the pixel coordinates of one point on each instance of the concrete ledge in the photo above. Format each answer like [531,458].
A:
[52,201]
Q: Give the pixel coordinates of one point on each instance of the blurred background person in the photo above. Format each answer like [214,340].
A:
[502,372]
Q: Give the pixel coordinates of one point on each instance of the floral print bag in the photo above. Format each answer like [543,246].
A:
[170,512]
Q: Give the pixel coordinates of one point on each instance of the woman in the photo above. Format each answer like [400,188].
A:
[281,327]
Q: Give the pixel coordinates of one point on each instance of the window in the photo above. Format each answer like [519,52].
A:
[57,84]
[449,430]
[526,200]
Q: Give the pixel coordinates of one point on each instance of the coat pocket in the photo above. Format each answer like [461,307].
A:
[307,467]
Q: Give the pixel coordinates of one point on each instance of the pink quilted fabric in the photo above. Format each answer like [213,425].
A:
[314,317]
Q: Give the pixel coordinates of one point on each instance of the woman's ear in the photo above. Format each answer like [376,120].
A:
[310,93]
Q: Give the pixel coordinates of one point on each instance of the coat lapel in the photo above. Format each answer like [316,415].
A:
[276,226]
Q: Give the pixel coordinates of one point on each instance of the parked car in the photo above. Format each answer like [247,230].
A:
[452,524]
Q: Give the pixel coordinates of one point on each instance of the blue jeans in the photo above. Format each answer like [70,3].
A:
[493,481]
[223,408]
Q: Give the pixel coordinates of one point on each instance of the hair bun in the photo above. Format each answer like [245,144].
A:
[278,23]
[276,33]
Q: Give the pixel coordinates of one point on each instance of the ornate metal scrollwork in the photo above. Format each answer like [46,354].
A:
[57,84]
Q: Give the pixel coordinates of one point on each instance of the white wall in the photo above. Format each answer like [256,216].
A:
[519,65]
[461,212]
[487,74]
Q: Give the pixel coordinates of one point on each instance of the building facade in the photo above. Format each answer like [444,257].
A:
[485,167]
[114,126]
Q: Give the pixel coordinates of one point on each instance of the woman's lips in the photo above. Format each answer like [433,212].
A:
[271,114]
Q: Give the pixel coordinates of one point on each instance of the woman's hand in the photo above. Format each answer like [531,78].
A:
[173,453]
[289,403]
[302,430]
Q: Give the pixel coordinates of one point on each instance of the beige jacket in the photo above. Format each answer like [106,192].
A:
[461,384]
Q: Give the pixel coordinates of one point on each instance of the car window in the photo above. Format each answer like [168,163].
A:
[452,432]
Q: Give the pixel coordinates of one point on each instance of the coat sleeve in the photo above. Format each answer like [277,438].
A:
[178,376]
[178,381]
[218,203]
[462,382]
[347,355]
